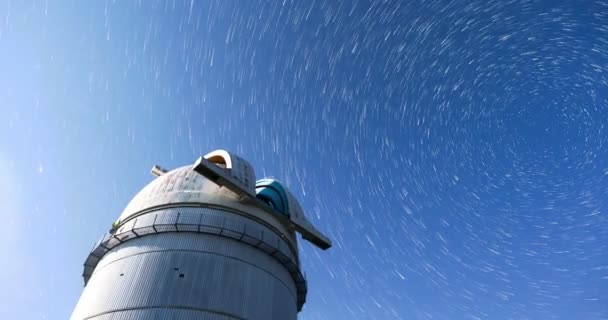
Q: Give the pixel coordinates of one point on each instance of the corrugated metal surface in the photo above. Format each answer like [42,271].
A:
[202,243]
[162,314]
[210,221]
[189,270]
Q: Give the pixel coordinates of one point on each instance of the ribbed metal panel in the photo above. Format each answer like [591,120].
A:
[162,313]
[224,224]
[198,243]
[213,273]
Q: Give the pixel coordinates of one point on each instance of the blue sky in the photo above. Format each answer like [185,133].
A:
[456,152]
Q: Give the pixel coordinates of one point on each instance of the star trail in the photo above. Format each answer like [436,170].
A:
[456,152]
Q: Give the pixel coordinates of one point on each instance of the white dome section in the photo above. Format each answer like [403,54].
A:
[185,185]
[237,167]
[221,179]
[181,185]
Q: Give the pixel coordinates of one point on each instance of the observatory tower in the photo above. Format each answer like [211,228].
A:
[204,241]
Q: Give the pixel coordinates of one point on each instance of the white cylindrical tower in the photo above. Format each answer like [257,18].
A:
[201,242]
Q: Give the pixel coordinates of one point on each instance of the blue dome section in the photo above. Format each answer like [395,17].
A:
[272,192]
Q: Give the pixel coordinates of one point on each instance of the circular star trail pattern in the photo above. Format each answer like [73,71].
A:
[455,151]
